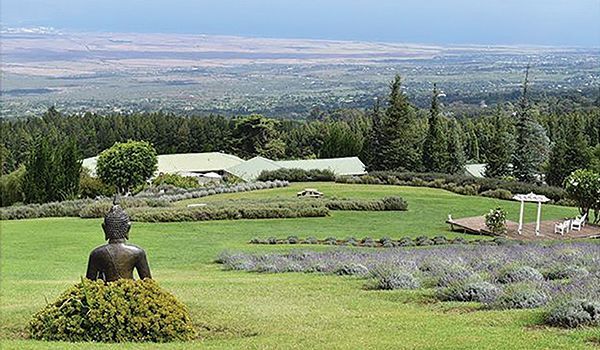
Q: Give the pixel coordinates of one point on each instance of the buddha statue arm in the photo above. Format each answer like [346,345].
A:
[92,269]
[142,266]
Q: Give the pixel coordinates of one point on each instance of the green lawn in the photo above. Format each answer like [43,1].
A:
[40,258]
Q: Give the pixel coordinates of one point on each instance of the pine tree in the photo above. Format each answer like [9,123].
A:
[373,154]
[455,159]
[70,170]
[569,152]
[37,183]
[400,147]
[531,140]
[500,151]
[434,148]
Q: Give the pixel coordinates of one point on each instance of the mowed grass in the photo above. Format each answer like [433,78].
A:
[40,258]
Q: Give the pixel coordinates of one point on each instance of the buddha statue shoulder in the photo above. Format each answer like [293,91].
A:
[117,259]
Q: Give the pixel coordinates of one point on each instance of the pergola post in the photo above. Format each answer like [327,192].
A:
[537,221]
[521,217]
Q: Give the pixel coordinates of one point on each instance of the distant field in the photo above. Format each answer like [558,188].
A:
[279,77]
[40,258]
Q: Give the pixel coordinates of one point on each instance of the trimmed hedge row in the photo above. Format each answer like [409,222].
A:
[384,242]
[297,175]
[460,184]
[78,207]
[174,194]
[386,203]
[176,214]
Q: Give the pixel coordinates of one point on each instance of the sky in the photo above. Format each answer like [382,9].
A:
[487,22]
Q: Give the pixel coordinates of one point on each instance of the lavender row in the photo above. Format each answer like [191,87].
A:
[563,276]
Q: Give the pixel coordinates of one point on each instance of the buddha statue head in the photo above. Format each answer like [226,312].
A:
[116,223]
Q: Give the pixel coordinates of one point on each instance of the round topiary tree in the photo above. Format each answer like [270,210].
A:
[126,165]
[120,311]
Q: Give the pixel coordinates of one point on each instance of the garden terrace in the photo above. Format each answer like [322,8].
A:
[476,225]
[40,258]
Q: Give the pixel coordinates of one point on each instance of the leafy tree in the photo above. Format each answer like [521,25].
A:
[531,142]
[435,149]
[11,186]
[500,151]
[583,186]
[127,165]
[569,153]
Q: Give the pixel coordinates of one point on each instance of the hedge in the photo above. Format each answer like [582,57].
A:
[74,208]
[297,175]
[460,184]
[176,214]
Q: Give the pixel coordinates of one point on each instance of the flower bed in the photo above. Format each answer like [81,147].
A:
[499,277]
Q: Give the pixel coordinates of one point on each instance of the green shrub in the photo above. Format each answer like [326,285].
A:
[297,175]
[92,187]
[11,187]
[495,221]
[187,182]
[121,311]
[499,193]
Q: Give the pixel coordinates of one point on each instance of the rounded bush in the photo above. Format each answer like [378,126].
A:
[120,311]
[520,274]
[471,291]
[293,240]
[574,313]
[406,242]
[522,297]
[389,278]
[352,269]
[453,274]
[311,240]
[564,272]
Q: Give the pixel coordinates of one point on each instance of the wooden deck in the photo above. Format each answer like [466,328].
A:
[476,225]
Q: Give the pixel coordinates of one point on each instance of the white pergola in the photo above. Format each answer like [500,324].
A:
[531,197]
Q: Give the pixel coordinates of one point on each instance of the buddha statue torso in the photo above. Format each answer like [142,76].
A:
[117,259]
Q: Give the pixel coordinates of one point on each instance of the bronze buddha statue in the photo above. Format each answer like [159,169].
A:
[117,259]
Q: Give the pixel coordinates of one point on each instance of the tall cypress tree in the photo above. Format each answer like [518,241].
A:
[373,154]
[455,159]
[401,144]
[531,140]
[37,182]
[70,170]
[434,148]
[500,151]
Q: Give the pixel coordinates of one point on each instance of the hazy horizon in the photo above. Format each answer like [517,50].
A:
[461,22]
